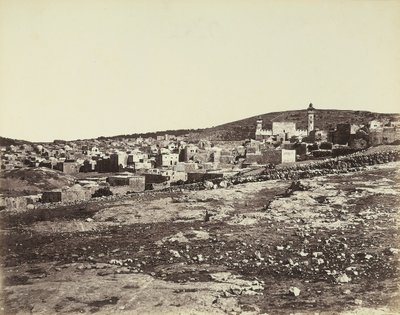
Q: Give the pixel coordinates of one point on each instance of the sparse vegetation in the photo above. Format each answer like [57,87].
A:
[102,192]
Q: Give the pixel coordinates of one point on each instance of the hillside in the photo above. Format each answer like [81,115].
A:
[4,142]
[32,180]
[324,119]
[245,128]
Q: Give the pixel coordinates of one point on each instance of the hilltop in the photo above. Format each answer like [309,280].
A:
[245,128]
[324,119]
[4,142]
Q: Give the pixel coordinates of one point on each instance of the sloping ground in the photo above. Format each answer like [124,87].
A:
[324,119]
[335,240]
[245,128]
[25,181]
[8,141]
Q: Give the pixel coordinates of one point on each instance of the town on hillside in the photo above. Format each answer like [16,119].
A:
[105,167]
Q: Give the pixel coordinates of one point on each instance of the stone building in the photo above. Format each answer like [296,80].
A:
[284,130]
[188,153]
[167,160]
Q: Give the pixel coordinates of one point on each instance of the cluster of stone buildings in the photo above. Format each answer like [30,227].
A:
[133,165]
[123,165]
[292,143]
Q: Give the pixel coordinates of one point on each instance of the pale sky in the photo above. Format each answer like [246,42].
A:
[78,69]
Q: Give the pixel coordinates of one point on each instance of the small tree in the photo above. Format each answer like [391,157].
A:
[326,146]
[312,147]
[104,191]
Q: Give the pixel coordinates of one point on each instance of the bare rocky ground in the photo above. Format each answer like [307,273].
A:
[327,245]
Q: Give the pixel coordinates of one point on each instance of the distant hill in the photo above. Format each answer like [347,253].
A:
[245,128]
[154,134]
[324,119]
[5,142]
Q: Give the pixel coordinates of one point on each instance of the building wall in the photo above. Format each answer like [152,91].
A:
[159,186]
[118,181]
[262,134]
[137,183]
[258,158]
[375,137]
[286,127]
[198,177]
[146,165]
[301,149]
[51,196]
[390,134]
[310,121]
[70,167]
[166,160]
[186,167]
[301,133]
[288,156]
[375,124]
[72,195]
[188,153]
[154,178]
[272,156]
[342,134]
[264,157]
[107,165]
[122,159]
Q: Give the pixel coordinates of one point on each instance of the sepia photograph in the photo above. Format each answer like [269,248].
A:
[200,157]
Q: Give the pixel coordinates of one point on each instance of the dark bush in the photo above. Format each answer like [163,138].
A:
[343,151]
[321,153]
[312,147]
[325,146]
[104,191]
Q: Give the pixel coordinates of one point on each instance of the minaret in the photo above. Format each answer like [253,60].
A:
[259,123]
[311,113]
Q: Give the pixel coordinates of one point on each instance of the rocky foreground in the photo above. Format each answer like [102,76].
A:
[327,244]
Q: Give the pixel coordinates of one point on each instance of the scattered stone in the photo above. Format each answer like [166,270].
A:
[258,256]
[89,220]
[208,185]
[223,184]
[393,251]
[174,253]
[317,254]
[343,278]
[100,266]
[294,291]
[123,270]
[104,272]
[116,262]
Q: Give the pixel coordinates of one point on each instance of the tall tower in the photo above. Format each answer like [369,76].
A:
[310,113]
[259,123]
